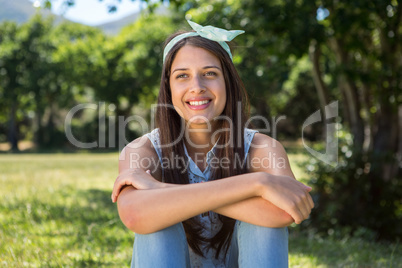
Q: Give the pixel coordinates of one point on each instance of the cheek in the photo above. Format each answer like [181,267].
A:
[177,100]
[223,96]
[174,93]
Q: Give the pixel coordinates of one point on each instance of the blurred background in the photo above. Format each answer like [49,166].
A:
[295,58]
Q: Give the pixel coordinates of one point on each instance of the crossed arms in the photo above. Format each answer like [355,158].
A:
[267,196]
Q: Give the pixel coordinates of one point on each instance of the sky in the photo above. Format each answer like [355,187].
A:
[93,12]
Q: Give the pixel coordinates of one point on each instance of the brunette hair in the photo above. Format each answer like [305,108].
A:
[170,125]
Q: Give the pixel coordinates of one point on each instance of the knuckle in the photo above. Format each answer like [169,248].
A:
[293,207]
[298,200]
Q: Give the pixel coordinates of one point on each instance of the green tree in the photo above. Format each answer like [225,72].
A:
[35,70]
[362,41]
[10,80]
[35,84]
[356,57]
[120,70]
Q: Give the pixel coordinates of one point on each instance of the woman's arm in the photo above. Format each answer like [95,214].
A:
[257,211]
[157,206]
[266,155]
[146,211]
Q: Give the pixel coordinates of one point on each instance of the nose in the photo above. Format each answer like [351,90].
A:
[197,85]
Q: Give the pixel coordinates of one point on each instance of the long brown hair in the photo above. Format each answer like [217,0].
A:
[170,125]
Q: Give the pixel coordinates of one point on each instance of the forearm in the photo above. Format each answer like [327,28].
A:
[147,211]
[257,211]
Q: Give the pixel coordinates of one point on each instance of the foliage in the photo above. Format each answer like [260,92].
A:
[33,83]
[124,69]
[356,57]
[350,196]
[46,70]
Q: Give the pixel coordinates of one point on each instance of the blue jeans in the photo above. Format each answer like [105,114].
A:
[251,246]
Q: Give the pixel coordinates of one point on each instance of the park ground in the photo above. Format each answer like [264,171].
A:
[55,211]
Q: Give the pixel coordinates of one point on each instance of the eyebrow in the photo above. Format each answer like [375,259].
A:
[205,67]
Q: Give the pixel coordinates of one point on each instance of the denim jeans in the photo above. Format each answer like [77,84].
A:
[251,246]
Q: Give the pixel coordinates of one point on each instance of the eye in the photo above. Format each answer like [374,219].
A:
[181,76]
[210,73]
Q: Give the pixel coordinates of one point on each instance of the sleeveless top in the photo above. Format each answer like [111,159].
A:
[209,220]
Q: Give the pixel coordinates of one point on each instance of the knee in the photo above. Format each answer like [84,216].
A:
[262,246]
[165,248]
[167,238]
[259,233]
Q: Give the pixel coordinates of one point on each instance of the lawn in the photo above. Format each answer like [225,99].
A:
[55,211]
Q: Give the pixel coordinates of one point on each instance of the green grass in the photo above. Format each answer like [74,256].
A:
[55,211]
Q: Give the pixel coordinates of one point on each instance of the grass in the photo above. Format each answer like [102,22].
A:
[55,211]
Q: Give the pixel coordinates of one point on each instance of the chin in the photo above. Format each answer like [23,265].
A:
[199,123]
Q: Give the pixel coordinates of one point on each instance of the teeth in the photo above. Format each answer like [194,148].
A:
[196,103]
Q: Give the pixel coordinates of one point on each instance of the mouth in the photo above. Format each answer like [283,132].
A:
[198,105]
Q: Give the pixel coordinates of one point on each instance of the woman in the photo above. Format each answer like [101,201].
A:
[238,217]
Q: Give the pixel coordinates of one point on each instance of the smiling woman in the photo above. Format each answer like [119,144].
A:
[204,200]
[197,85]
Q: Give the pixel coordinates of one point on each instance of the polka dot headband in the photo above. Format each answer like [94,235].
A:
[209,32]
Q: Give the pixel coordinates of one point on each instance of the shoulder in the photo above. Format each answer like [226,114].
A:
[142,146]
[140,153]
[267,154]
[262,141]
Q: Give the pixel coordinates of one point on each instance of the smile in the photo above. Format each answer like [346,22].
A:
[198,105]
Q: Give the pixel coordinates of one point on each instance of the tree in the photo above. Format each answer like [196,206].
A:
[362,41]
[356,57]
[34,83]
[120,70]
[10,79]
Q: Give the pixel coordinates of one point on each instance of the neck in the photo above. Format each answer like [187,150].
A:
[200,139]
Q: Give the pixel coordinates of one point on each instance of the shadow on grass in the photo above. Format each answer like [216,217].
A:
[84,222]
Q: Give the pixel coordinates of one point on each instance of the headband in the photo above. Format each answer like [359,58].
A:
[209,32]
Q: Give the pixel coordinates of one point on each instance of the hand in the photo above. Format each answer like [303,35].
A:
[289,195]
[137,178]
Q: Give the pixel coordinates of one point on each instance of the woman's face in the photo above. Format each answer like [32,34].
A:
[197,85]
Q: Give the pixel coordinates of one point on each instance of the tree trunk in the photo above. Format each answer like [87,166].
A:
[50,128]
[398,165]
[38,135]
[315,53]
[385,143]
[12,127]
[350,94]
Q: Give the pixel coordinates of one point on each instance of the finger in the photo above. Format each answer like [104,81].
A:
[307,205]
[310,200]
[306,211]
[297,219]
[296,214]
[303,206]
[114,190]
[120,182]
[308,188]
